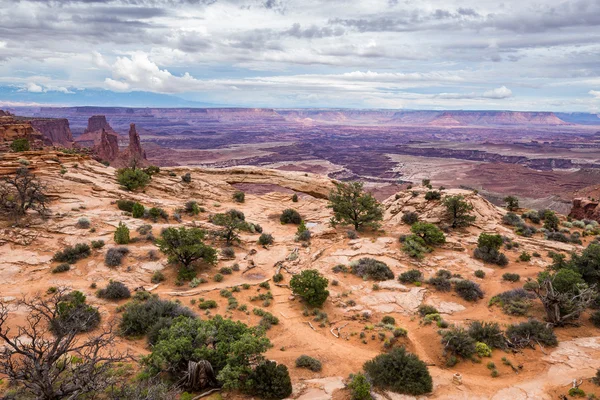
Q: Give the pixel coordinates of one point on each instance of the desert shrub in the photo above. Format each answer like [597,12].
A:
[526,230]
[483,350]
[410,217]
[239,196]
[20,145]
[191,207]
[414,246]
[270,380]
[400,372]
[340,268]
[98,244]
[433,195]
[479,274]
[144,229]
[295,198]
[73,312]
[525,256]
[487,249]
[114,256]
[440,283]
[207,304]
[311,286]
[557,237]
[228,252]
[426,309]
[595,318]
[267,319]
[514,302]
[531,333]
[71,254]
[468,290]
[411,276]
[431,234]
[218,278]
[140,315]
[578,224]
[265,239]
[370,268]
[278,277]
[308,362]
[186,178]
[351,234]
[64,267]
[132,178]
[360,387]
[510,277]
[83,223]
[290,216]
[488,333]
[533,216]
[114,291]
[156,212]
[551,221]
[121,235]
[388,320]
[510,218]
[186,246]
[157,277]
[512,203]
[457,342]
[138,210]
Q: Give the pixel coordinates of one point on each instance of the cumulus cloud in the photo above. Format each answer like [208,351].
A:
[595,93]
[499,93]
[34,88]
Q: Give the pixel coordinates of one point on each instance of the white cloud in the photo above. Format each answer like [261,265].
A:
[498,93]
[595,93]
[34,88]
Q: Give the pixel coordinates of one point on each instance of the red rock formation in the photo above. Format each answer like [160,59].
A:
[134,154]
[96,123]
[584,208]
[56,130]
[108,148]
[12,128]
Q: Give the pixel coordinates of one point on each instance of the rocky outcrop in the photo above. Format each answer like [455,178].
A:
[56,130]
[92,136]
[108,148]
[12,128]
[584,208]
[134,154]
[96,123]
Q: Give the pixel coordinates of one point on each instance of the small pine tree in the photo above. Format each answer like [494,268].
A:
[19,145]
[351,205]
[512,203]
[458,211]
[138,210]
[122,234]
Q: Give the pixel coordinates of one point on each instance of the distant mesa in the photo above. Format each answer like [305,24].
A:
[446,119]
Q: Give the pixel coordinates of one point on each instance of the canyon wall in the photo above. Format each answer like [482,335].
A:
[57,130]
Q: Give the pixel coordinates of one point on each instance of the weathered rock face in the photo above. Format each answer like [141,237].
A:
[97,123]
[584,208]
[12,128]
[56,130]
[134,154]
[108,148]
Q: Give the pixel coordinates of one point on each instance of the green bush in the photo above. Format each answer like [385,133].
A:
[488,333]
[156,212]
[186,178]
[510,277]
[71,254]
[459,343]
[426,309]
[290,216]
[132,178]
[488,249]
[114,291]
[458,211]
[191,207]
[595,318]
[157,277]
[388,320]
[239,196]
[278,277]
[531,333]
[232,349]
[121,235]
[265,239]
[61,268]
[360,387]
[186,246]
[270,380]
[352,205]
[139,316]
[479,274]
[483,350]
[414,246]
[218,278]
[525,256]
[440,283]
[433,195]
[208,304]
[311,286]
[468,290]
[73,314]
[138,210]
[576,392]
[400,372]
[308,362]
[514,302]
[370,268]
[83,223]
[411,276]
[295,198]
[98,244]
[20,145]
[431,234]
[125,205]
[410,217]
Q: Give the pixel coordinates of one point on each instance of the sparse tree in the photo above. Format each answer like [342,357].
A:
[19,145]
[458,211]
[22,192]
[351,205]
[231,223]
[52,364]
[311,286]
[551,221]
[185,246]
[431,234]
[512,203]
[132,178]
[564,295]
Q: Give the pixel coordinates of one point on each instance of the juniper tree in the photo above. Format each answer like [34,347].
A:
[351,205]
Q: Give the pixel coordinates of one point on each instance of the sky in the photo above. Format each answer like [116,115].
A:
[411,54]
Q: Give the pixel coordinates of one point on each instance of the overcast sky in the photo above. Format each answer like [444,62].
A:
[419,54]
